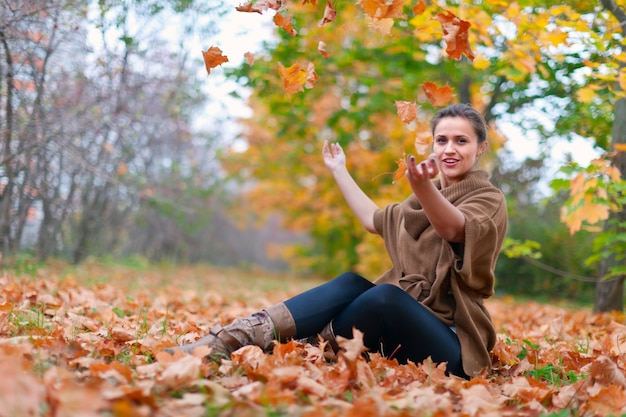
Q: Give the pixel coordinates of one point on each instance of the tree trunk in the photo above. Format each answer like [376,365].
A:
[610,294]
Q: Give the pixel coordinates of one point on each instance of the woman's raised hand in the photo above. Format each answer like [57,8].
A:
[334,157]
[422,172]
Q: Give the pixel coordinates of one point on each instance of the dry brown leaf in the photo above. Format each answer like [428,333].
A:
[213,57]
[330,14]
[407,110]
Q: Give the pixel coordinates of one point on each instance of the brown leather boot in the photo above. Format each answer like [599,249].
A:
[260,329]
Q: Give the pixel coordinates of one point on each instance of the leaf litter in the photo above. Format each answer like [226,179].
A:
[72,344]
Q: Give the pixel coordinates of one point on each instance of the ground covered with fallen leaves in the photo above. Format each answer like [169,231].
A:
[89,341]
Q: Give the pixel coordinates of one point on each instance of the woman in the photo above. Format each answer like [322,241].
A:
[443,242]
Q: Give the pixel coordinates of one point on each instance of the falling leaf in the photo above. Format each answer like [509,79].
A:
[259,6]
[249,58]
[456,35]
[248,8]
[213,57]
[295,78]
[382,9]
[420,7]
[284,22]
[438,96]
[330,14]
[401,171]
[311,75]
[423,142]
[407,110]
[321,48]
[382,26]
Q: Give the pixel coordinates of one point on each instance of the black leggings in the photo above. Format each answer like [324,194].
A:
[391,320]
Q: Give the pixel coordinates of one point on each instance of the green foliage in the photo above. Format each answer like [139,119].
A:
[352,103]
[536,233]
[514,248]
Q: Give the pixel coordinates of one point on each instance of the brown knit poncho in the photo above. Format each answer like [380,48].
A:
[450,279]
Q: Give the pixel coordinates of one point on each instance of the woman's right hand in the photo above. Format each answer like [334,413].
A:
[334,157]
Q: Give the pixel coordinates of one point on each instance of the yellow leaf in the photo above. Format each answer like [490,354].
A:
[586,94]
[621,147]
[557,37]
[481,63]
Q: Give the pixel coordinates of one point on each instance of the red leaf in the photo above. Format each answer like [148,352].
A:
[455,33]
[438,97]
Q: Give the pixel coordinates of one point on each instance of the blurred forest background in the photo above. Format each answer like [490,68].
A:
[116,143]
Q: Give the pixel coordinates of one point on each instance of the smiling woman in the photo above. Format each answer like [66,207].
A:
[443,241]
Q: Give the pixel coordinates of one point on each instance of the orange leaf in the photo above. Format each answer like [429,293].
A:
[455,33]
[321,48]
[382,26]
[420,7]
[295,78]
[213,57]
[438,97]
[401,171]
[381,9]
[407,110]
[284,22]
[330,14]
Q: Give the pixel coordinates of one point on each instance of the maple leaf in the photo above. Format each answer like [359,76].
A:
[456,35]
[311,75]
[249,58]
[330,14]
[295,78]
[248,8]
[423,142]
[407,110]
[382,26]
[213,57]
[438,96]
[321,48]
[259,6]
[381,9]
[284,22]
[420,7]
[401,171]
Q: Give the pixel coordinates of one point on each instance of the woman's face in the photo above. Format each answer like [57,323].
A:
[455,149]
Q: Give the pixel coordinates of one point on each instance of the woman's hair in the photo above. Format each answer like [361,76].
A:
[466,112]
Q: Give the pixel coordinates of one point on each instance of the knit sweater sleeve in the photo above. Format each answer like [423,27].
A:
[485,228]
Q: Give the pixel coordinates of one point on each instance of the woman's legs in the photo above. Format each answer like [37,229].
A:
[391,318]
[315,308]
